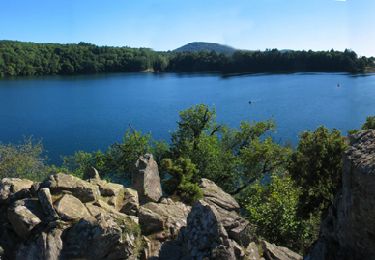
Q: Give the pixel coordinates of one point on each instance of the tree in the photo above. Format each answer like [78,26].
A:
[369,124]
[23,160]
[183,179]
[316,167]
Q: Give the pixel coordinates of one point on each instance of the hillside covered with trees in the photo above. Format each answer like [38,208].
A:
[25,59]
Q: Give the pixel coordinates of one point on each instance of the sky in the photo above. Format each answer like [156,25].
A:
[168,24]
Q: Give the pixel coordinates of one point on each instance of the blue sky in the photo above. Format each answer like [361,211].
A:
[168,24]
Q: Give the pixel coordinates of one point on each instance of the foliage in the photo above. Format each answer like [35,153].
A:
[25,59]
[369,124]
[121,157]
[316,167]
[81,161]
[183,179]
[23,161]
[272,206]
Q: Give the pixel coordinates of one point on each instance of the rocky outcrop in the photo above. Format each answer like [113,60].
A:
[273,252]
[146,179]
[76,221]
[68,218]
[348,232]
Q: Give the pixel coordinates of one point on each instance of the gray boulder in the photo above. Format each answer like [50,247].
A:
[146,179]
[273,252]
[238,229]
[70,208]
[85,191]
[131,202]
[24,215]
[45,200]
[14,188]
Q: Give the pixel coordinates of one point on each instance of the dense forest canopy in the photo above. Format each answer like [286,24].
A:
[23,59]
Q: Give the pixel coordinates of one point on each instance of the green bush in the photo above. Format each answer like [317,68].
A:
[23,160]
[182,180]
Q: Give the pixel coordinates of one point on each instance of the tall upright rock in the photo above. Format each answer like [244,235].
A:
[348,232]
[146,179]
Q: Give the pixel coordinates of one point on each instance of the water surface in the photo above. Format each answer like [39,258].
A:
[91,112]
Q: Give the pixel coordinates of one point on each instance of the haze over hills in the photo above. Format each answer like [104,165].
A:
[206,46]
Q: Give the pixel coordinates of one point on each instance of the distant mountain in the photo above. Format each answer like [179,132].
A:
[206,46]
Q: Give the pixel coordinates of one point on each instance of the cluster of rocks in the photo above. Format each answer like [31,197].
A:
[65,217]
[348,232]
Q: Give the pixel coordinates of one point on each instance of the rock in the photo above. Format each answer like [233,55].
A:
[14,188]
[113,192]
[168,216]
[237,227]
[47,246]
[146,179]
[205,236]
[215,195]
[102,238]
[71,208]
[348,231]
[252,252]
[45,200]
[91,173]
[131,202]
[24,215]
[94,210]
[273,252]
[80,189]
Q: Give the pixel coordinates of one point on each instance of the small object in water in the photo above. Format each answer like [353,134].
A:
[338,85]
[250,102]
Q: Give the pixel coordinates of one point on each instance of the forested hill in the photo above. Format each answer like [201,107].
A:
[21,59]
[206,46]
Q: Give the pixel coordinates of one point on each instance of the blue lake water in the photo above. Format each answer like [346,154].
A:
[90,112]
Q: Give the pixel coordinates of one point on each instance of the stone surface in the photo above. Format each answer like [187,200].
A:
[45,200]
[273,252]
[114,193]
[71,208]
[24,215]
[237,227]
[348,232]
[252,252]
[205,236]
[80,189]
[146,179]
[131,202]
[47,246]
[168,216]
[103,238]
[215,195]
[13,188]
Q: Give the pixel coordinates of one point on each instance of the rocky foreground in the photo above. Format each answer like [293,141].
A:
[65,217]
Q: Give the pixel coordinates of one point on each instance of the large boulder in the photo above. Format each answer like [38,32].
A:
[205,236]
[273,252]
[46,246]
[24,215]
[85,191]
[70,208]
[45,200]
[348,232]
[14,188]
[168,216]
[146,179]
[106,237]
[131,202]
[226,206]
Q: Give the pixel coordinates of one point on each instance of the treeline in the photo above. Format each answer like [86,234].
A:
[23,59]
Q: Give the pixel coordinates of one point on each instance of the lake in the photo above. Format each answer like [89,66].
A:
[90,112]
